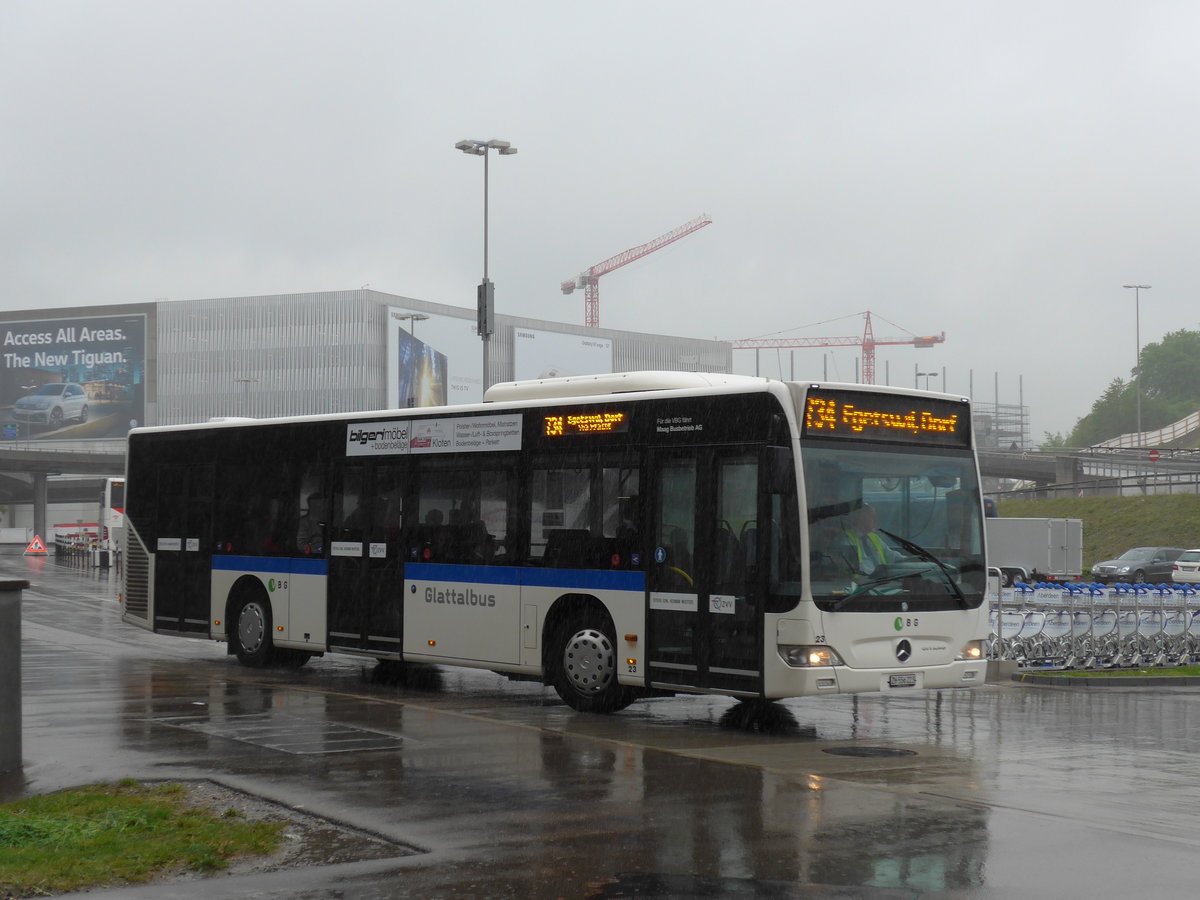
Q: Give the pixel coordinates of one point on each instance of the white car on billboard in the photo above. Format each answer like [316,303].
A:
[52,404]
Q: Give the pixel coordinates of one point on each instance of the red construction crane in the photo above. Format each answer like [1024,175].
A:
[868,342]
[589,280]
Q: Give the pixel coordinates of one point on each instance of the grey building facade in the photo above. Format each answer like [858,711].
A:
[282,355]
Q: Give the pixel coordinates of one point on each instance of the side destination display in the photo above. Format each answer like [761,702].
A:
[406,437]
[932,421]
[605,422]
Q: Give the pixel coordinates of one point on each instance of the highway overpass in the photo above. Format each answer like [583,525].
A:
[26,466]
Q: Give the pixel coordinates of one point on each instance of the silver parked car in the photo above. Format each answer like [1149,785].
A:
[1141,565]
[52,404]
[1186,569]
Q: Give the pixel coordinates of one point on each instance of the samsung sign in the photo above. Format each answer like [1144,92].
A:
[461,434]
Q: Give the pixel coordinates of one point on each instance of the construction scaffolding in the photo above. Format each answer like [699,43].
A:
[1001,426]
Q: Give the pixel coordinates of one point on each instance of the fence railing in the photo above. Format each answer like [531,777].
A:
[1146,484]
[1167,434]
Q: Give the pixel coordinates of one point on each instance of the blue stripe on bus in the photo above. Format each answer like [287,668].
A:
[593,579]
[280,565]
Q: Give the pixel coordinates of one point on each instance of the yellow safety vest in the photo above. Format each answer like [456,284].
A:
[880,554]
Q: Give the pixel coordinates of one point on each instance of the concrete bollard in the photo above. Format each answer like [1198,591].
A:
[10,673]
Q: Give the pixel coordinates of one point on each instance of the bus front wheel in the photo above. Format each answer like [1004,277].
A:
[585,666]
[252,634]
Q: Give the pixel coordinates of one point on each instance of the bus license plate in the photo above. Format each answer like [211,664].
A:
[902,680]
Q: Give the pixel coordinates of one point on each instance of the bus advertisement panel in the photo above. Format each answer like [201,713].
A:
[72,378]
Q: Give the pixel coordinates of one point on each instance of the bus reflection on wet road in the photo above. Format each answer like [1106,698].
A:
[1004,790]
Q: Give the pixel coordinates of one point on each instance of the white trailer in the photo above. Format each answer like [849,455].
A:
[1035,549]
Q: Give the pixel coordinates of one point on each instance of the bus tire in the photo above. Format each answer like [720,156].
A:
[291,659]
[584,665]
[251,634]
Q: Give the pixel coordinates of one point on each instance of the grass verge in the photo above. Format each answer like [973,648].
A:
[1111,525]
[118,833]
[1179,671]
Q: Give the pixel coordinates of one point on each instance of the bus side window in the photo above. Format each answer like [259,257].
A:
[463,516]
[560,498]
[387,506]
[675,522]
[737,507]
[567,548]
[492,507]
[255,515]
[348,512]
[313,514]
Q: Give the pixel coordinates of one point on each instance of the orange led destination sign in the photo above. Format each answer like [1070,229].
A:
[609,422]
[888,417]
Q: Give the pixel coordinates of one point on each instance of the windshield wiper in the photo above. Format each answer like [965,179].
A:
[918,550]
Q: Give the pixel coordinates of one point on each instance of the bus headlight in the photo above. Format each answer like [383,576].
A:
[973,651]
[808,657]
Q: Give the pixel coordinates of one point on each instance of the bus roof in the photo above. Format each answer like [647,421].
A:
[612,383]
[570,389]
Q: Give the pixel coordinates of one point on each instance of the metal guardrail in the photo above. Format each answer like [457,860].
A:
[86,553]
[1144,485]
[1168,434]
[102,446]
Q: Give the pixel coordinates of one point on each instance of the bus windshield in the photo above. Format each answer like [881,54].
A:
[893,529]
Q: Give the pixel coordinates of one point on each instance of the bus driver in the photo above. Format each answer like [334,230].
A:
[867,549]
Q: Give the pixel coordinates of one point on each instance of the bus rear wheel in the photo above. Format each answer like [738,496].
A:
[584,666]
[251,634]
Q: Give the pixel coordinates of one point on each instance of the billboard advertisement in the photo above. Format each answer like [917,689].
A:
[432,360]
[81,377]
[422,374]
[550,354]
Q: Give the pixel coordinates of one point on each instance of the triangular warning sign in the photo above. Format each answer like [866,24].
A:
[36,547]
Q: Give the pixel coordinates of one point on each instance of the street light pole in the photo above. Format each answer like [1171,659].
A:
[927,376]
[412,319]
[485,298]
[1137,372]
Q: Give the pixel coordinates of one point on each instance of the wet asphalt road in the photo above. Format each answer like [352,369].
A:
[1003,791]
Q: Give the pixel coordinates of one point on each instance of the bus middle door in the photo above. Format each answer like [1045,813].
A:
[704,616]
[183,551]
[365,562]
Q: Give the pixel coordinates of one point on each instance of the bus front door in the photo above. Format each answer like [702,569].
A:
[704,611]
[183,550]
[365,563]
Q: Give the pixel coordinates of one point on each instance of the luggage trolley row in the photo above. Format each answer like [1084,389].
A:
[1077,625]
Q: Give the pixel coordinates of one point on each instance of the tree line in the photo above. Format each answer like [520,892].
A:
[1170,388]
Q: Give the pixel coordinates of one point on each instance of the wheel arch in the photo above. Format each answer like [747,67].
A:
[245,588]
[563,610]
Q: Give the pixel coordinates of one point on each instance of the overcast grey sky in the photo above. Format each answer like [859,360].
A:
[996,171]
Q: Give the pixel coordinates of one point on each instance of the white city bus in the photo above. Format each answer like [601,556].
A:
[615,536]
[112,513]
